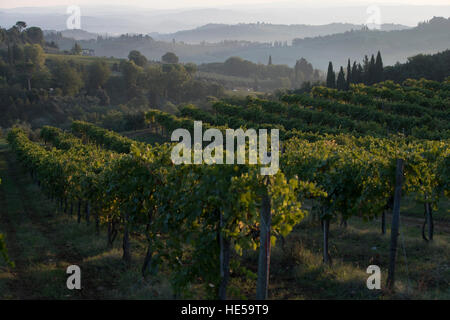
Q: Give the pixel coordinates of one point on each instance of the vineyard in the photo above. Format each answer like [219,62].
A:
[221,231]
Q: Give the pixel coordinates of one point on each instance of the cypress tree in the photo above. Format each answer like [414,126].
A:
[372,71]
[270,61]
[365,70]
[349,74]
[355,77]
[341,83]
[379,68]
[331,76]
[360,73]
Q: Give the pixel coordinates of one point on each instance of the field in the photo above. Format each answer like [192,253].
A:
[43,241]
[146,228]
[85,60]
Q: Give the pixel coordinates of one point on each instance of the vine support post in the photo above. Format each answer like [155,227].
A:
[79,212]
[126,242]
[224,261]
[395,223]
[86,211]
[383,222]
[148,259]
[147,266]
[264,249]
[326,232]
[112,232]
[428,222]
[97,221]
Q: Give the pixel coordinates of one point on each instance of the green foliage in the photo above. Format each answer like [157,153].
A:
[4,251]
[137,58]
[67,78]
[99,73]
[432,67]
[331,76]
[76,49]
[169,57]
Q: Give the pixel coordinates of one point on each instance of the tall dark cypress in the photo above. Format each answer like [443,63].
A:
[360,73]
[341,83]
[331,76]
[365,69]
[372,71]
[349,74]
[379,68]
[270,61]
[355,76]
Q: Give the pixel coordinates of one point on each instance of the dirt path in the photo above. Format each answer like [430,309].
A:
[14,251]
[50,254]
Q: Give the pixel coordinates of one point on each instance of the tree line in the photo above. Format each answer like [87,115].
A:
[370,72]
[42,88]
[434,67]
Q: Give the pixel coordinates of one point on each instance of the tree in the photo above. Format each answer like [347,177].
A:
[34,54]
[21,25]
[349,74]
[13,35]
[17,53]
[355,74]
[3,35]
[371,72]
[270,61]
[98,74]
[139,59]
[76,49]
[102,95]
[34,61]
[170,57]
[378,68]
[360,73]
[304,71]
[67,78]
[341,83]
[35,35]
[331,76]
[239,67]
[365,70]
[191,68]
[130,73]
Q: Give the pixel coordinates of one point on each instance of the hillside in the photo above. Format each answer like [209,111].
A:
[119,19]
[262,32]
[395,46]
[76,34]
[340,147]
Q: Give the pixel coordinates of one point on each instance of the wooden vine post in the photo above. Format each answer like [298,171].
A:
[264,249]
[224,260]
[395,223]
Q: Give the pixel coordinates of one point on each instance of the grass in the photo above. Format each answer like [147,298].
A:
[81,59]
[298,272]
[43,242]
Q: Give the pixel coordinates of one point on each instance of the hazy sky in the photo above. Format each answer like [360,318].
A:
[171,4]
